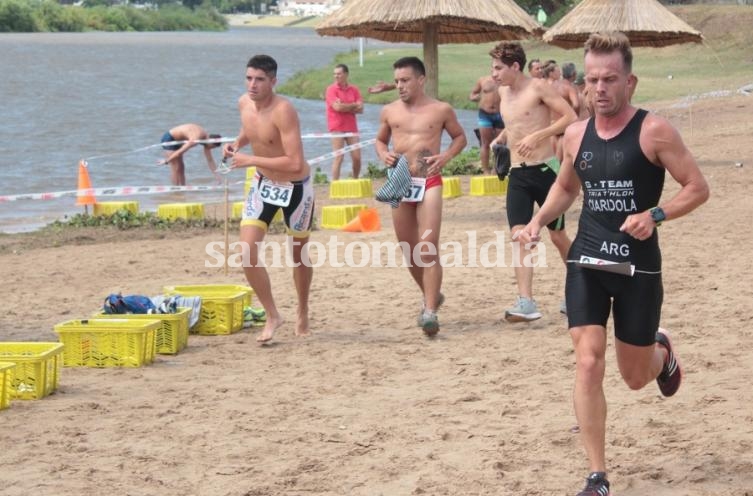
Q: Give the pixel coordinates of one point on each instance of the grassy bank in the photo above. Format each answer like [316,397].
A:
[23,16]
[722,63]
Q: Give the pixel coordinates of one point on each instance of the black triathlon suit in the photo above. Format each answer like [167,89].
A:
[618,180]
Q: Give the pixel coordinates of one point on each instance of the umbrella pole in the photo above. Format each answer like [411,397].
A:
[431,59]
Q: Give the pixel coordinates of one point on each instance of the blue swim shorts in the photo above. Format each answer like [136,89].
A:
[166,138]
[485,119]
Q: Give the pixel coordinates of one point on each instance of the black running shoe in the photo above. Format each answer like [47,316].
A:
[671,375]
[596,485]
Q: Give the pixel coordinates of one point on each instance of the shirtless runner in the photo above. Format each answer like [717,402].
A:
[490,123]
[270,124]
[528,104]
[414,124]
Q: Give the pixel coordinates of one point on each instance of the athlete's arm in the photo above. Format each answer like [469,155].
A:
[456,132]
[180,151]
[475,92]
[663,145]
[383,136]
[574,99]
[565,189]
[555,103]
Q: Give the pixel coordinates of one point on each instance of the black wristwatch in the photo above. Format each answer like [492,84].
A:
[658,215]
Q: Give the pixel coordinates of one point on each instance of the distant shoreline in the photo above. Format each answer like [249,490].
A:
[274,21]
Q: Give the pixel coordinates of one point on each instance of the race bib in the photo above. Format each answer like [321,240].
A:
[623,268]
[417,190]
[278,194]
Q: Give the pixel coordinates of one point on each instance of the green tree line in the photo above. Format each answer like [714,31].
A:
[27,16]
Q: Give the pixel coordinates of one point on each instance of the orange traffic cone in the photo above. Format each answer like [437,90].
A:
[366,221]
[84,183]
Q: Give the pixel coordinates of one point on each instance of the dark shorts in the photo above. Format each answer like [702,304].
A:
[166,138]
[485,119]
[528,185]
[298,214]
[635,300]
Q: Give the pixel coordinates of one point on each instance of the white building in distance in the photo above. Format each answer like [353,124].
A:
[304,8]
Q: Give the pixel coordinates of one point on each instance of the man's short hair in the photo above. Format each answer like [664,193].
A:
[509,52]
[606,43]
[263,63]
[533,61]
[412,62]
[568,71]
[343,67]
[548,68]
[213,145]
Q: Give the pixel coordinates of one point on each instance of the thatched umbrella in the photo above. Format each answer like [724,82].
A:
[644,22]
[432,22]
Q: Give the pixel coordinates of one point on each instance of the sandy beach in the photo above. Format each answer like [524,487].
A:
[367,405]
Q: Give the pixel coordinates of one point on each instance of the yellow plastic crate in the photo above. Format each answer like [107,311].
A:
[172,211]
[237,212]
[488,186]
[108,342]
[451,187]
[172,335]
[37,369]
[6,378]
[221,306]
[336,216]
[351,188]
[111,208]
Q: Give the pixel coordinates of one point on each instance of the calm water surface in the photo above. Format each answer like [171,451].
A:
[68,96]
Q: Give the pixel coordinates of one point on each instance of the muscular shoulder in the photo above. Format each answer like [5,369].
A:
[657,134]
[392,108]
[540,85]
[283,106]
[655,124]
[441,106]
[576,130]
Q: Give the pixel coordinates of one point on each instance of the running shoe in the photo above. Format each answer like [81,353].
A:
[671,374]
[596,485]
[429,323]
[525,310]
[419,320]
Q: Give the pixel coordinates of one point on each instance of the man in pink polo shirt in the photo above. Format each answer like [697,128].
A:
[343,103]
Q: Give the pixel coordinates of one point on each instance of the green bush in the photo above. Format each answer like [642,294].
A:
[466,163]
[125,219]
[320,177]
[375,170]
[49,15]
[17,16]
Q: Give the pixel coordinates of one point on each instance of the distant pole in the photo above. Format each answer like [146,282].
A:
[360,52]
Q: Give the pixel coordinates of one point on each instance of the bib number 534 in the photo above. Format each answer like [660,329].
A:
[276,194]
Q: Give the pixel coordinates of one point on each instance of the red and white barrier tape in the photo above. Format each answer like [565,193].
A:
[118,191]
[216,140]
[150,190]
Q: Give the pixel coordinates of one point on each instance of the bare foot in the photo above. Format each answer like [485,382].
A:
[269,329]
[302,326]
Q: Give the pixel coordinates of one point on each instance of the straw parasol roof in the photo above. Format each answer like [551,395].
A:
[644,22]
[431,22]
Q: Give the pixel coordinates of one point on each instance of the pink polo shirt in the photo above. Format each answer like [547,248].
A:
[344,122]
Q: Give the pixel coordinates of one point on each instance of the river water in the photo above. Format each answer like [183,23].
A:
[68,96]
